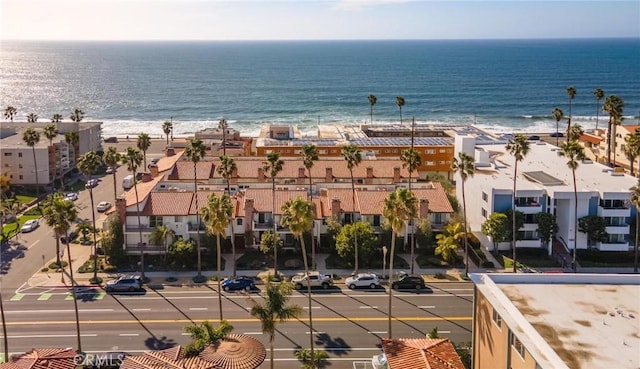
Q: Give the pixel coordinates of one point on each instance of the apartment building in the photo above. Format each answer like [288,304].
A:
[556,321]
[52,158]
[545,184]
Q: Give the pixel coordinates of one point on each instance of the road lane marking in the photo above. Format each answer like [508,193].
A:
[17,297]
[129,334]
[33,244]
[445,332]
[368,307]
[44,297]
[316,332]
[426,307]
[378,332]
[59,311]
[52,335]
[144,309]
[313,307]
[253,333]
[198,309]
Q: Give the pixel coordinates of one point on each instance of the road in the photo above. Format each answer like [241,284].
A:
[348,324]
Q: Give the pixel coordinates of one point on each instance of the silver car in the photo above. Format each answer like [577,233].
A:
[363,280]
[124,284]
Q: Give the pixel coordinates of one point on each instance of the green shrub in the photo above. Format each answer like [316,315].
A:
[439,276]
[54,265]
[44,270]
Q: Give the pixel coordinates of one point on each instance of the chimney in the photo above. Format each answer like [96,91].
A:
[153,170]
[328,175]
[335,207]
[424,208]
[121,209]
[301,175]
[369,179]
[261,176]
[396,174]
[248,214]
[234,176]
[170,151]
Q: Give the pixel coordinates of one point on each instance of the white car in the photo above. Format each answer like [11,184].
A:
[103,206]
[30,225]
[91,183]
[316,280]
[110,170]
[362,280]
[71,196]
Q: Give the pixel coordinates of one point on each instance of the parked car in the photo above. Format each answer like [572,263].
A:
[128,284]
[103,206]
[534,138]
[239,283]
[408,281]
[30,225]
[316,279]
[91,183]
[71,196]
[72,236]
[362,280]
[557,134]
[110,170]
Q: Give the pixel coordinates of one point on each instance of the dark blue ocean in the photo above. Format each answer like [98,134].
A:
[505,85]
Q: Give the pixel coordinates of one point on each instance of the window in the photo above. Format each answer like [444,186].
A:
[155,221]
[239,221]
[431,163]
[497,318]
[19,154]
[430,151]
[8,154]
[516,344]
[442,151]
[485,197]
[177,219]
[376,220]
[20,176]
[20,166]
[348,218]
[484,213]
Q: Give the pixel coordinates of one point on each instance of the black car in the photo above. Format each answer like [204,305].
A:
[557,134]
[407,281]
[72,236]
[534,138]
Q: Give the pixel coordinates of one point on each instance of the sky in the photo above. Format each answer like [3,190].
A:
[315,20]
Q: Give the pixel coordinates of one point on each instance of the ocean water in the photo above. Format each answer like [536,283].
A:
[502,85]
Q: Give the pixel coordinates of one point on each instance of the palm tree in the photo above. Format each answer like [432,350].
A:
[10,112]
[400,103]
[411,161]
[571,91]
[298,216]
[111,158]
[399,207]
[519,148]
[273,166]
[50,132]
[144,143]
[160,236]
[132,159]
[222,124]
[226,169]
[167,128]
[59,214]
[614,106]
[631,149]
[353,156]
[309,157]
[449,240]
[217,215]
[32,118]
[599,95]
[557,114]
[204,335]
[372,101]
[195,152]
[77,115]
[31,137]
[275,310]
[88,163]
[575,132]
[635,200]
[464,166]
[574,153]
[56,118]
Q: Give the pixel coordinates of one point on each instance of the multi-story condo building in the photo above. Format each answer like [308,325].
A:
[556,321]
[545,184]
[53,158]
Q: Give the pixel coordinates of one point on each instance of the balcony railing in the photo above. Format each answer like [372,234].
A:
[150,249]
[264,225]
[526,204]
[141,228]
[194,227]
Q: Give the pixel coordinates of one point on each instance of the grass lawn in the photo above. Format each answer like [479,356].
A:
[13,227]
[595,258]
[24,199]
[528,257]
[432,261]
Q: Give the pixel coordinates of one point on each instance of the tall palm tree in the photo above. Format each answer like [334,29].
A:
[77,115]
[32,118]
[275,309]
[10,112]
[635,200]
[573,151]
[399,207]
[226,169]
[571,92]
[59,214]
[411,160]
[519,148]
[372,101]
[599,95]
[160,236]
[449,240]
[309,157]
[132,159]
[464,166]
[614,106]
[144,143]
[557,114]
[631,149]
[50,132]
[575,132]
[88,163]
[204,335]
[217,215]
[195,152]
[223,125]
[353,156]
[298,216]
[400,103]
[167,128]
[111,158]
[56,118]
[273,166]
[31,137]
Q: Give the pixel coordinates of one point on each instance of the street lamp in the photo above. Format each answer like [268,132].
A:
[384,260]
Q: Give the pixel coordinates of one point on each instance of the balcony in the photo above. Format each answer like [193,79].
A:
[621,228]
[614,211]
[264,225]
[528,206]
[131,228]
[613,246]
[193,227]
[134,249]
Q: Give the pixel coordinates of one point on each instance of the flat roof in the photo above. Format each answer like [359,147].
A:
[570,320]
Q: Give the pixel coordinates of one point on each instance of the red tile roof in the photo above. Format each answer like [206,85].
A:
[184,170]
[437,196]
[55,358]
[168,203]
[262,198]
[421,353]
[586,137]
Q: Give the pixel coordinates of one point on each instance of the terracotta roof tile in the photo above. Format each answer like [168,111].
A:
[168,203]
[437,196]
[54,358]
[586,137]
[421,353]
[144,189]
[203,199]
[184,170]
[167,162]
[262,198]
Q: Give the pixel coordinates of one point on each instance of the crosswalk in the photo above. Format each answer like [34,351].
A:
[99,295]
